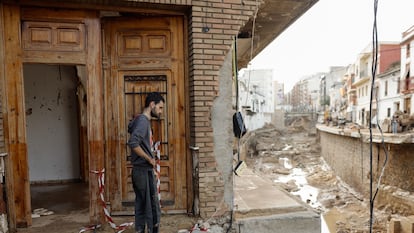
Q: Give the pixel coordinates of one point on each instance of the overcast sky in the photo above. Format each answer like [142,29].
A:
[332,33]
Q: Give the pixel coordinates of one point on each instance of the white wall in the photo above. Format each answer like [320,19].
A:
[256,90]
[363,102]
[51,122]
[256,121]
[392,97]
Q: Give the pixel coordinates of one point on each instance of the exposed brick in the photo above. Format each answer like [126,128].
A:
[203,87]
[238,2]
[222,5]
[212,62]
[200,3]
[203,67]
[212,51]
[216,30]
[213,10]
[232,11]
[202,46]
[207,53]
[220,46]
[222,37]
[222,16]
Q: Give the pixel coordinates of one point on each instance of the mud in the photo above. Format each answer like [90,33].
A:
[291,159]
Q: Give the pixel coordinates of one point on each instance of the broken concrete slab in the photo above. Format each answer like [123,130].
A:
[261,206]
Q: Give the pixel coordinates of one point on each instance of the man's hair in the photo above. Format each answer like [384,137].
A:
[153,96]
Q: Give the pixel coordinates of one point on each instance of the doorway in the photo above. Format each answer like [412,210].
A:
[53,131]
[407,105]
[146,54]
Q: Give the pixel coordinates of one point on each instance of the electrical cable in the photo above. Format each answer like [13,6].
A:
[373,71]
[384,148]
[251,48]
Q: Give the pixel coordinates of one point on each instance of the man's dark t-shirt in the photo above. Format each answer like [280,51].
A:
[140,133]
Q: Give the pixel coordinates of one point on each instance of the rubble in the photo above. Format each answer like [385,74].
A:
[284,155]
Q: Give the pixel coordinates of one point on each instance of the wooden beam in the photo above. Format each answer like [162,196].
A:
[114,6]
[3,207]
[94,90]
[17,177]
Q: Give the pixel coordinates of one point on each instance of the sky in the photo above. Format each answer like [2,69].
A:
[332,33]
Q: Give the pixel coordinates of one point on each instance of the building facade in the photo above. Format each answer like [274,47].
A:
[256,97]
[407,65]
[115,52]
[388,93]
[388,56]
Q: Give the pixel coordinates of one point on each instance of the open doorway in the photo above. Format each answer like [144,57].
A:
[54,139]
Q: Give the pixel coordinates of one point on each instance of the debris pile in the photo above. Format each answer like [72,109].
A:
[37,213]
[291,159]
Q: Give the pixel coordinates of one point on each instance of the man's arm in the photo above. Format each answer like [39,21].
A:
[140,152]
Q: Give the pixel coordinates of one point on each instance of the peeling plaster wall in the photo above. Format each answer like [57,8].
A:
[222,113]
[51,122]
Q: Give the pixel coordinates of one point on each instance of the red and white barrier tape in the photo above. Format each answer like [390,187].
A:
[197,228]
[89,228]
[158,168]
[101,184]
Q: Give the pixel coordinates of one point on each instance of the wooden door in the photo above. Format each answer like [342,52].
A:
[145,55]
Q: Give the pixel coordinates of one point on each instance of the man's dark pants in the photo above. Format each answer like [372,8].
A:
[147,207]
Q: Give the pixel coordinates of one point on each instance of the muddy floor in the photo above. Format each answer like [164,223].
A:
[77,221]
[291,159]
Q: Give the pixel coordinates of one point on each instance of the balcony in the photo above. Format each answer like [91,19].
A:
[407,85]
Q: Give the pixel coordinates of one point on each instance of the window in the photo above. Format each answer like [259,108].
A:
[407,77]
[388,112]
[408,50]
[386,88]
[398,86]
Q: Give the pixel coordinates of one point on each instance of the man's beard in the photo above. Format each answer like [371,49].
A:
[153,114]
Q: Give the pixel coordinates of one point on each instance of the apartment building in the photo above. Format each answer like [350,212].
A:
[388,55]
[407,66]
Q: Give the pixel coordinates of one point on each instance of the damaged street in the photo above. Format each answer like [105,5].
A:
[291,159]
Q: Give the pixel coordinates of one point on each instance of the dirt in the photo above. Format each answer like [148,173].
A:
[291,159]
[74,222]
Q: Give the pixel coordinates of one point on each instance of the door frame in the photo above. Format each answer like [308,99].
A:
[116,135]
[13,53]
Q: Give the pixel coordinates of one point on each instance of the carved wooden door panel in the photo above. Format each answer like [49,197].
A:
[145,55]
[136,87]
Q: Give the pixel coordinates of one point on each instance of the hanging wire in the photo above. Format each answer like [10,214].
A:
[383,147]
[374,71]
[251,49]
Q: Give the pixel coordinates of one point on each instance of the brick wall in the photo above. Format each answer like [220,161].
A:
[349,156]
[389,55]
[207,53]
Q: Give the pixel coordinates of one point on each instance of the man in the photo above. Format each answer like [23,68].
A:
[147,206]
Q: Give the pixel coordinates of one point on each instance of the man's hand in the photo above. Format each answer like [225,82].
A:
[152,162]
[138,150]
